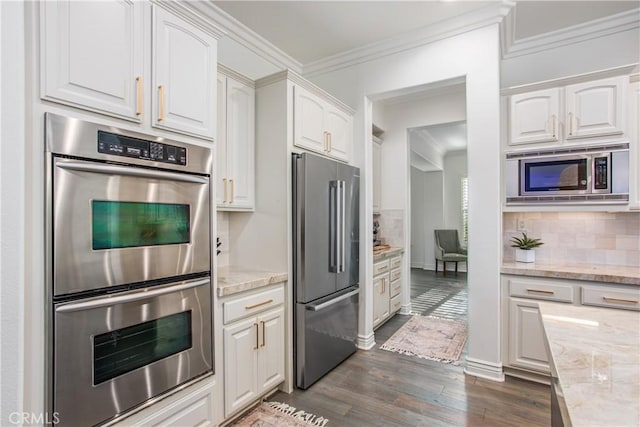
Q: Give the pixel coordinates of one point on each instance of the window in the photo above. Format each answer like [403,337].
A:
[465,211]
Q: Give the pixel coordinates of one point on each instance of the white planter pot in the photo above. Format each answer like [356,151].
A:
[525,255]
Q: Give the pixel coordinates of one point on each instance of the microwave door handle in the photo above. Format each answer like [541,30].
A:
[133,296]
[136,172]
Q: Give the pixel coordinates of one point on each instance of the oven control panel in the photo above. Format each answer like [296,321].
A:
[119,145]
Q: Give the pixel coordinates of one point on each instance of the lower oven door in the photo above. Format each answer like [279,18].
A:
[116,352]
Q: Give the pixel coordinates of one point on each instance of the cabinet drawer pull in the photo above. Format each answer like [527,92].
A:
[622,300]
[161,102]
[224,184]
[256,347]
[264,337]
[538,291]
[249,307]
[139,96]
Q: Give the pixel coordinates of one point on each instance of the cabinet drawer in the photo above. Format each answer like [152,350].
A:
[614,298]
[395,274]
[396,285]
[394,304]
[380,267]
[546,290]
[251,304]
[395,262]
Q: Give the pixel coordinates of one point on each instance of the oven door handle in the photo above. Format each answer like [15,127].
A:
[134,296]
[137,172]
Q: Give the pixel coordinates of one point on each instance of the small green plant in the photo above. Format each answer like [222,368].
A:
[525,242]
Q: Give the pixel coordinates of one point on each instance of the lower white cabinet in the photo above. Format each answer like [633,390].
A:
[380,299]
[253,353]
[387,285]
[526,336]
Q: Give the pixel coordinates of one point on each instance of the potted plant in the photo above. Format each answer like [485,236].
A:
[525,248]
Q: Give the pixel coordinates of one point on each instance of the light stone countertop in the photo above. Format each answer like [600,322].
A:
[590,272]
[596,354]
[234,279]
[387,253]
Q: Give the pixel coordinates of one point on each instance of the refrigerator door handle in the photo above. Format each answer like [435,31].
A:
[318,307]
[343,232]
[333,226]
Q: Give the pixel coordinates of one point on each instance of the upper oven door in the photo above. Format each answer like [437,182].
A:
[555,175]
[115,225]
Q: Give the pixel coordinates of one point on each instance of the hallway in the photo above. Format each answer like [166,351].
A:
[438,295]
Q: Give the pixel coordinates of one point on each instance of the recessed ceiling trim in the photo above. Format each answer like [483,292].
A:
[244,35]
[617,23]
[194,17]
[473,20]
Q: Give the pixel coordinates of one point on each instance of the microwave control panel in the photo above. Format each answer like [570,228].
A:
[125,146]
[601,173]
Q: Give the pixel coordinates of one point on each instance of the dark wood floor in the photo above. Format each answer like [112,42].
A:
[439,295]
[381,388]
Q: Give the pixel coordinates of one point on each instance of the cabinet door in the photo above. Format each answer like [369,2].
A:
[380,299]
[271,354]
[221,142]
[634,148]
[309,129]
[92,55]
[526,336]
[595,108]
[377,175]
[340,128]
[184,88]
[534,117]
[240,144]
[240,364]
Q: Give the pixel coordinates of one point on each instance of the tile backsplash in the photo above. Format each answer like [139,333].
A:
[577,237]
[391,226]
[223,234]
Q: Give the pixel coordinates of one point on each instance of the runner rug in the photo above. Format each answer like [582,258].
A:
[430,338]
[277,414]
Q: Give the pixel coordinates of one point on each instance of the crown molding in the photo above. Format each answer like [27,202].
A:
[245,36]
[491,14]
[236,76]
[634,78]
[617,23]
[194,17]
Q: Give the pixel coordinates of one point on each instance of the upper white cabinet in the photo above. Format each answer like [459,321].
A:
[534,117]
[184,88]
[320,126]
[376,153]
[92,55]
[634,147]
[235,143]
[582,110]
[95,56]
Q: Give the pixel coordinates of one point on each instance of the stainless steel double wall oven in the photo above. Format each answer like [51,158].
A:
[128,268]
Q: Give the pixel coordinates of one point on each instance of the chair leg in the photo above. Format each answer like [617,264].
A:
[436,266]
[444,269]
[456,268]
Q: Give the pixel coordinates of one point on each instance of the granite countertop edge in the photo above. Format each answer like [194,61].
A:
[587,272]
[387,252]
[236,279]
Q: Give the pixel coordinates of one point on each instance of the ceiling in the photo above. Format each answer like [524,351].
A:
[443,138]
[310,31]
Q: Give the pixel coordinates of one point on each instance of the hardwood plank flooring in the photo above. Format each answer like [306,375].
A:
[438,295]
[381,388]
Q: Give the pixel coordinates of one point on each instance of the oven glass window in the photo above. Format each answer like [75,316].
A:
[123,350]
[132,224]
[556,175]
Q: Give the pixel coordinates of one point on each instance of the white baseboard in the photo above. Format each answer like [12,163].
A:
[483,369]
[406,309]
[366,342]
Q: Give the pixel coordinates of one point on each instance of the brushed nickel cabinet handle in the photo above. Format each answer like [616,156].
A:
[554,124]
[330,141]
[538,291]
[139,96]
[622,300]
[257,344]
[224,184]
[570,124]
[264,337]
[232,191]
[249,307]
[161,102]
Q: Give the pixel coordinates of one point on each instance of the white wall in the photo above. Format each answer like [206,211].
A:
[455,168]
[427,214]
[475,56]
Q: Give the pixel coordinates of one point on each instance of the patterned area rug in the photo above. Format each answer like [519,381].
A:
[430,338]
[277,414]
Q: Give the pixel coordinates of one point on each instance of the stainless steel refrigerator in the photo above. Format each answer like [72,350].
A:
[326,200]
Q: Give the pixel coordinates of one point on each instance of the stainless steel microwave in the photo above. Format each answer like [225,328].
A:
[572,175]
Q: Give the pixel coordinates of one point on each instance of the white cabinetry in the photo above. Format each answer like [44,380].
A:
[253,346]
[526,336]
[92,55]
[634,146]
[380,298]
[387,285]
[376,153]
[562,114]
[321,127]
[95,56]
[184,64]
[235,142]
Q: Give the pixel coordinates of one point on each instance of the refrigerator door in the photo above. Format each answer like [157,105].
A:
[315,198]
[326,335]
[348,226]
